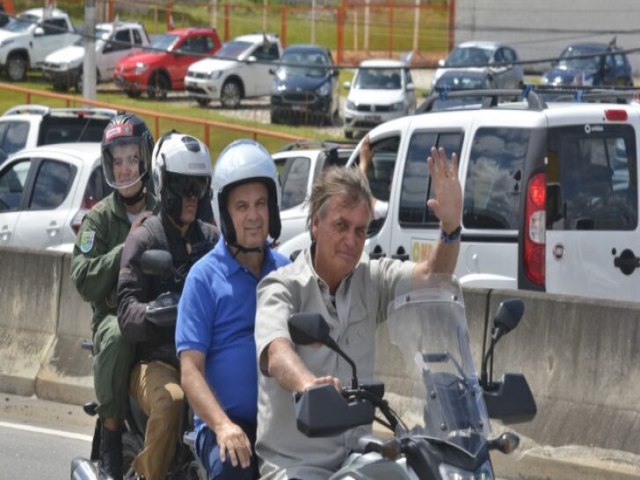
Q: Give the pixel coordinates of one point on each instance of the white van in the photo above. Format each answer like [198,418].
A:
[550,194]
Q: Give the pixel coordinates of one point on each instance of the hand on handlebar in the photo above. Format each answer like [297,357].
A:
[327,379]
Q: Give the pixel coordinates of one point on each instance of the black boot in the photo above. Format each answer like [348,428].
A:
[111,454]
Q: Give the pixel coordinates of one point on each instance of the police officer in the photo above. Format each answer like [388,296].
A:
[182,182]
[126,159]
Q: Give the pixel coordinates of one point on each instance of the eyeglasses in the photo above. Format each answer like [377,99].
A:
[187,186]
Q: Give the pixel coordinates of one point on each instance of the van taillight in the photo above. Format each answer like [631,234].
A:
[534,229]
[615,115]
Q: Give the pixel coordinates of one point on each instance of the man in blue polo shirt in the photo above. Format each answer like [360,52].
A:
[216,315]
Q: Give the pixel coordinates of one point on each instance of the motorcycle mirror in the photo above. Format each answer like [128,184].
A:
[158,263]
[308,328]
[505,443]
[508,316]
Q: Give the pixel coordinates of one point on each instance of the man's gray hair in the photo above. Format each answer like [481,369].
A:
[349,183]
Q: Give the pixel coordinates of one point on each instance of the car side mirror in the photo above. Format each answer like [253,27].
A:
[347,85]
[335,73]
[252,59]
[411,87]
[441,62]
[38,32]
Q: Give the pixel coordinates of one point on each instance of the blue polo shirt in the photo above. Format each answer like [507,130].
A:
[216,316]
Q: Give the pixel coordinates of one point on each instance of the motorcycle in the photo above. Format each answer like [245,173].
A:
[442,432]
[163,312]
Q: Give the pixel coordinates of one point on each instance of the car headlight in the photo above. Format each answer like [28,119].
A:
[350,105]
[544,80]
[449,472]
[140,68]
[396,107]
[216,74]
[6,42]
[324,89]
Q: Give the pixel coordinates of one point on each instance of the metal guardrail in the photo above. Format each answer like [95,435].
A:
[207,125]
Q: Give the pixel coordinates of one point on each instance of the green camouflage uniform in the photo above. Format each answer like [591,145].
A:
[94,270]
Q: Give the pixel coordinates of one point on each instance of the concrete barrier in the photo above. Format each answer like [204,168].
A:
[42,322]
[579,355]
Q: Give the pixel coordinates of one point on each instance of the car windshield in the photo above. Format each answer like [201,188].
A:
[164,42]
[591,59]
[378,79]
[313,64]
[233,49]
[462,82]
[468,56]
[21,23]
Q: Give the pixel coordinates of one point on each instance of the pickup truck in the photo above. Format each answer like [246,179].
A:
[63,68]
[28,38]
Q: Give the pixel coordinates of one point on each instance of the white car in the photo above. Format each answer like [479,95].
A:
[550,194]
[63,68]
[28,126]
[299,164]
[28,38]
[381,91]
[45,193]
[240,69]
[496,60]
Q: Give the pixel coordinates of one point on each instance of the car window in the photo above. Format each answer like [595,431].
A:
[416,182]
[137,38]
[592,178]
[122,41]
[509,55]
[195,44]
[619,60]
[407,77]
[378,79]
[52,184]
[54,26]
[494,176]
[13,136]
[97,189]
[12,185]
[268,52]
[294,181]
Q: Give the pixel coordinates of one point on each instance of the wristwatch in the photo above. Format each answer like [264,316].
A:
[450,237]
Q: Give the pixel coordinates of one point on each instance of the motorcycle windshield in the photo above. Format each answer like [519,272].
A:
[427,323]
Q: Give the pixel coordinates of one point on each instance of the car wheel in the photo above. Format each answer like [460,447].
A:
[17,67]
[133,93]
[203,102]
[231,94]
[158,86]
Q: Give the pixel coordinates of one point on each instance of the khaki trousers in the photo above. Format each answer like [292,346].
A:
[155,386]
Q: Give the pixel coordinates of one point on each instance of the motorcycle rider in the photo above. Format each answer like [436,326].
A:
[214,335]
[335,278]
[126,160]
[182,177]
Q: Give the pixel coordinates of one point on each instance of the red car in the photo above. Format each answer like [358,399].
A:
[163,65]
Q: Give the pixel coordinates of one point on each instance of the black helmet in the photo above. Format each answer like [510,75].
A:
[123,130]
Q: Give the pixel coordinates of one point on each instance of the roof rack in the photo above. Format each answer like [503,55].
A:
[308,144]
[28,108]
[487,98]
[583,93]
[43,110]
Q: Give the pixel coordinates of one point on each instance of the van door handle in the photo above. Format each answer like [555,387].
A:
[5,234]
[53,229]
[627,262]
[377,252]
[401,255]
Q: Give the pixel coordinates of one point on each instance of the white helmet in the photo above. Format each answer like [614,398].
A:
[241,162]
[181,168]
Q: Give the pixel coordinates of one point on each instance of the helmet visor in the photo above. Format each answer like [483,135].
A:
[188,186]
[123,162]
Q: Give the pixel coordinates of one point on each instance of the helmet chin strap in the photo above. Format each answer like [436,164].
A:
[241,249]
[134,199]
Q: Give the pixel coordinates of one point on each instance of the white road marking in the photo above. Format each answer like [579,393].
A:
[47,431]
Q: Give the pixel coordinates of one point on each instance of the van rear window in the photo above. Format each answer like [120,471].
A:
[592,178]
[494,178]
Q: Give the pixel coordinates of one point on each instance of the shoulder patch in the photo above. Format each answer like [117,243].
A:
[86,241]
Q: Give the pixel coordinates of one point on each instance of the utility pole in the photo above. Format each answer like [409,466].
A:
[89,65]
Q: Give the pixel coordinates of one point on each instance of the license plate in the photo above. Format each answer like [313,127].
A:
[296,108]
[373,118]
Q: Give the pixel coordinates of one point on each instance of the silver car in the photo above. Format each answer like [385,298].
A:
[46,191]
[499,61]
